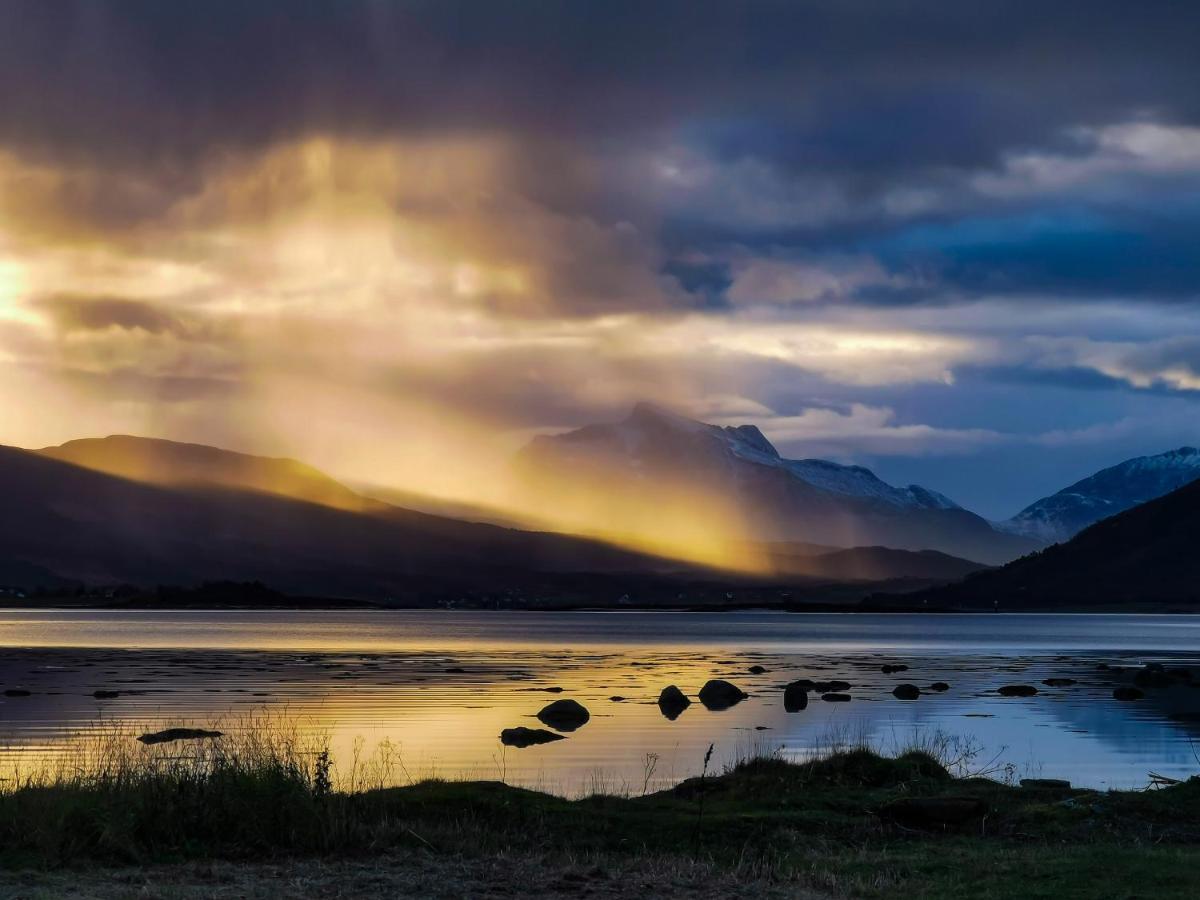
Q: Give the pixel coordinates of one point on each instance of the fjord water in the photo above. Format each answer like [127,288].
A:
[438,687]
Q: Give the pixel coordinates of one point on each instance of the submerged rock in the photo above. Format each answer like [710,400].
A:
[718,694]
[888,670]
[521,737]
[672,702]
[906,692]
[1059,682]
[1127,693]
[757,670]
[178,734]
[795,696]
[564,715]
[617,698]
[836,698]
[106,695]
[17,692]
[1017,690]
[939,686]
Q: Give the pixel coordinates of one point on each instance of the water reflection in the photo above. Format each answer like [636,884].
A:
[439,688]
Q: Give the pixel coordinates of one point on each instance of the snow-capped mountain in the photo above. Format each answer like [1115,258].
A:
[1061,516]
[779,499]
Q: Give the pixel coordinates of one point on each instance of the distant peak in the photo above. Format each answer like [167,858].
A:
[755,438]
[645,411]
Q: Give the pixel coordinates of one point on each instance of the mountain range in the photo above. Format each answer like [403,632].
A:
[150,512]
[1142,556]
[142,511]
[775,499]
[1061,516]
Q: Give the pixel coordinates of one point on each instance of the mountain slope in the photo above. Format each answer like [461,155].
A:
[82,524]
[869,563]
[774,499]
[1143,555]
[172,464]
[1108,492]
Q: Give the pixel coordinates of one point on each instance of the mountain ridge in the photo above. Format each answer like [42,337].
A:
[1062,515]
[1143,555]
[777,499]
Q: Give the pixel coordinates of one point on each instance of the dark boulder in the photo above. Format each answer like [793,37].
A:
[939,686]
[1059,682]
[617,698]
[795,696]
[888,670]
[836,698]
[672,702]
[827,687]
[105,695]
[718,694]
[178,734]
[564,715]
[906,692]
[1017,690]
[757,670]
[1127,693]
[527,737]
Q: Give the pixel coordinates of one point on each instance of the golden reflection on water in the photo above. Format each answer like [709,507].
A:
[405,697]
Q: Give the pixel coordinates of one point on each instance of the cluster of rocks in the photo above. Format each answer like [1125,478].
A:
[565,716]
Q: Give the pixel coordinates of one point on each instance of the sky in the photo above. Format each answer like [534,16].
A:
[958,243]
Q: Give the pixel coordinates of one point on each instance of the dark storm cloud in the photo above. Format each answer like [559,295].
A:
[842,84]
[822,126]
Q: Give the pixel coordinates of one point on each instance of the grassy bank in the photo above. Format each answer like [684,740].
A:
[853,824]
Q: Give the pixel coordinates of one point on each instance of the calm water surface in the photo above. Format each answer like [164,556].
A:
[439,687]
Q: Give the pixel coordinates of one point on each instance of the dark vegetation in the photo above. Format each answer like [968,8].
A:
[851,824]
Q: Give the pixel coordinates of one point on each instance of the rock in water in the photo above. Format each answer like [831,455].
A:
[888,670]
[795,696]
[836,698]
[1059,682]
[178,734]
[527,737]
[939,686]
[105,695]
[906,692]
[1017,690]
[717,694]
[672,701]
[757,670]
[564,715]
[1127,693]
